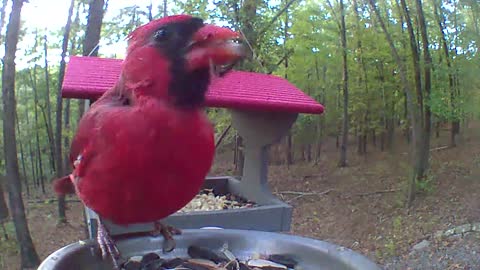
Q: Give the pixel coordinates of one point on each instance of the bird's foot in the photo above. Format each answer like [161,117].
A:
[167,232]
[107,245]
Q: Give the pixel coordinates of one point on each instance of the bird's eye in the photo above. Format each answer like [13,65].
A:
[160,35]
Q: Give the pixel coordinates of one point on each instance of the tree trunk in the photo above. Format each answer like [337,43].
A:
[427,85]
[382,140]
[420,139]
[359,144]
[459,116]
[67,113]
[3,204]
[50,154]
[40,174]
[94,26]
[362,79]
[374,137]
[407,123]
[165,8]
[150,14]
[388,121]
[48,121]
[22,157]
[390,132]
[343,33]
[441,27]
[28,254]
[289,150]
[235,151]
[66,140]
[92,37]
[30,147]
[303,157]
[413,109]
[321,120]
[62,217]
[309,152]
[364,143]
[240,156]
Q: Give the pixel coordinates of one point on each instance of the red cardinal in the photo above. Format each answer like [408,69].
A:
[143,149]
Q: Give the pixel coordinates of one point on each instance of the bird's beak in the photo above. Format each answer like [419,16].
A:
[214,45]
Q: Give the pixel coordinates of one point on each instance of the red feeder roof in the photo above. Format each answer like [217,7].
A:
[90,77]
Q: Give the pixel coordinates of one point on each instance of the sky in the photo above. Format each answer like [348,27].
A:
[52,15]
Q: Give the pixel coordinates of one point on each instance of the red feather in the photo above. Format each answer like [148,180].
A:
[145,160]
[63,186]
[141,33]
[142,164]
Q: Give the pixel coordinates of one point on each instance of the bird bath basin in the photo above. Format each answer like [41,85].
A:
[311,254]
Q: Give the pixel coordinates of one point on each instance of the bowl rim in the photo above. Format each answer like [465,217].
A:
[342,254]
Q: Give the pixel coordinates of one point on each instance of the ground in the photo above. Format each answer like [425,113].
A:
[359,207]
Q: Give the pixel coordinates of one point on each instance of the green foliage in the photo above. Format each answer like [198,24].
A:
[391,242]
[221,119]
[7,247]
[426,185]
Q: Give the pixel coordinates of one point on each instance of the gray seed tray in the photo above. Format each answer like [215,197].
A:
[268,214]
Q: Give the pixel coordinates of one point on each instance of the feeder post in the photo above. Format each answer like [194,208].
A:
[259,129]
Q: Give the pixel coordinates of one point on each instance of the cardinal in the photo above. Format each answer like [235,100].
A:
[143,149]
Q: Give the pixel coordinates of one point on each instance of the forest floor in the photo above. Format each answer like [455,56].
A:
[359,207]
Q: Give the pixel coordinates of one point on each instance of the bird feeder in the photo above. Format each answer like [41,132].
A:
[263,109]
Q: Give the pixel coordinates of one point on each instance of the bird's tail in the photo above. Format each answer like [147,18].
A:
[63,186]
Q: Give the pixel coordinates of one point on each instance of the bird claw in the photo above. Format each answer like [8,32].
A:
[107,245]
[167,232]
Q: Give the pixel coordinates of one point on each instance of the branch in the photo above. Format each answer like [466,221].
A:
[281,61]
[433,149]
[51,201]
[439,148]
[4,230]
[301,194]
[224,133]
[377,192]
[334,14]
[264,29]
[311,176]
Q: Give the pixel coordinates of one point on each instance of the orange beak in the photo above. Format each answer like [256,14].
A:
[214,45]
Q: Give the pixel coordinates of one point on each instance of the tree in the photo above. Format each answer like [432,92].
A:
[427,87]
[92,36]
[440,21]
[412,105]
[62,218]
[48,114]
[3,204]
[419,140]
[2,18]
[343,37]
[29,257]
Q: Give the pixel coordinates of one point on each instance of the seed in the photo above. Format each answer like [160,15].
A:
[197,252]
[173,263]
[266,265]
[285,259]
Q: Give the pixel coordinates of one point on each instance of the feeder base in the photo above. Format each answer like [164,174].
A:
[268,214]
